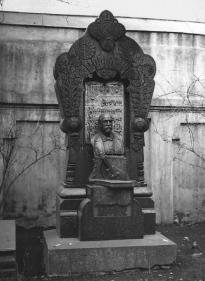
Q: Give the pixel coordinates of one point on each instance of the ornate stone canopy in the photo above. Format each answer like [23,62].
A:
[104,52]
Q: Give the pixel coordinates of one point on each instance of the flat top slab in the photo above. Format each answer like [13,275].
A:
[54,242]
[7,235]
[142,190]
[115,184]
[71,192]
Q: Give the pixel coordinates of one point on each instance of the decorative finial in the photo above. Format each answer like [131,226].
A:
[106,29]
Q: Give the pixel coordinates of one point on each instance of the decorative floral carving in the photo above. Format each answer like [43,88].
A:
[137,141]
[106,73]
[105,52]
[84,48]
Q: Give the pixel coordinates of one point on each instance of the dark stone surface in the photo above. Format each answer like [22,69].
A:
[67,224]
[8,265]
[149,221]
[145,202]
[7,260]
[109,202]
[147,205]
[101,195]
[116,216]
[66,216]
[68,204]
[112,211]
[66,210]
[29,251]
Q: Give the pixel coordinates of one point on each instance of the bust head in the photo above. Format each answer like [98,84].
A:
[105,123]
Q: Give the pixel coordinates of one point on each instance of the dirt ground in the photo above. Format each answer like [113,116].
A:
[187,266]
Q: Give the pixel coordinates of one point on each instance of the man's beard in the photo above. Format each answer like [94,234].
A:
[107,130]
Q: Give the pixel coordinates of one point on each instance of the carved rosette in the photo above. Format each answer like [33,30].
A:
[105,51]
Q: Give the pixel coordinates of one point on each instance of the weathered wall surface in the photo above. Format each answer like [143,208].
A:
[174,148]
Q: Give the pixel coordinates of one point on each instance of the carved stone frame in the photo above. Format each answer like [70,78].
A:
[104,52]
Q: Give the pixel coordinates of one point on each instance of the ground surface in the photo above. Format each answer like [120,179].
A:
[186,268]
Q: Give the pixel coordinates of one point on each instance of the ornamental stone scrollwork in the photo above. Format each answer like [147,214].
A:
[105,52]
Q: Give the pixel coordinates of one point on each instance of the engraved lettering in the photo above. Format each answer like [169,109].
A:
[100,99]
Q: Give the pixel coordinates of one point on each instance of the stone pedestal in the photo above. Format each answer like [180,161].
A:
[69,256]
[67,203]
[143,195]
[110,213]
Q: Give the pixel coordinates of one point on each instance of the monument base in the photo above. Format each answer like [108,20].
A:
[68,256]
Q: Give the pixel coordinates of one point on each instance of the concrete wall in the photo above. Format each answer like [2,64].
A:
[174,148]
[183,10]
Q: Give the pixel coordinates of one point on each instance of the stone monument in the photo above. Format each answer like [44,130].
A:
[104,85]
[109,212]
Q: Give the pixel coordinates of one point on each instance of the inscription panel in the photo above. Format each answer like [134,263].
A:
[101,98]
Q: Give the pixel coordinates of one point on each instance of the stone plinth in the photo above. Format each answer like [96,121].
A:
[66,256]
[67,204]
[110,213]
[143,195]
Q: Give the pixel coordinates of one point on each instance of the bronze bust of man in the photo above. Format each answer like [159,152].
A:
[106,146]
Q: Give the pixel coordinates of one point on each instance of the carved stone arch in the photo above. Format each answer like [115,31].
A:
[104,50]
[105,53]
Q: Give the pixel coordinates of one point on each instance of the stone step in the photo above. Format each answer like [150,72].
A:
[7,261]
[8,265]
[8,272]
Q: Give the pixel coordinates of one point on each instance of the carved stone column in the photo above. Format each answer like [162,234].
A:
[139,126]
[70,194]
[71,127]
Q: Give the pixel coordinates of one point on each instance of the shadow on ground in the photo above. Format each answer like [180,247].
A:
[187,267]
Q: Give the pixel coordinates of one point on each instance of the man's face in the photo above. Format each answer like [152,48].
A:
[107,126]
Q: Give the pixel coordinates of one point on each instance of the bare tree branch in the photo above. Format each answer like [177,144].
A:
[37,159]
[10,147]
